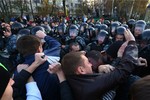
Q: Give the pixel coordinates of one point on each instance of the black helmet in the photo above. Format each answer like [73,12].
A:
[36,28]
[91,25]
[73,30]
[146,35]
[91,31]
[141,24]
[97,28]
[125,25]
[120,30]
[107,22]
[16,26]
[102,35]
[103,27]
[47,28]
[83,27]
[61,28]
[131,23]
[98,23]
[23,32]
[114,26]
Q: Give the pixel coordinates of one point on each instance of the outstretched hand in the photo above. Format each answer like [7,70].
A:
[129,37]
[54,68]
[142,62]
[105,68]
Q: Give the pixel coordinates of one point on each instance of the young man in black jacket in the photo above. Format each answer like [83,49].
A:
[86,85]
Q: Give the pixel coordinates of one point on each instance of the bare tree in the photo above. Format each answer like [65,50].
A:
[5,9]
[64,6]
[21,5]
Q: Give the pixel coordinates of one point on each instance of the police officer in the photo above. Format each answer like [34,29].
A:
[131,24]
[119,36]
[16,26]
[144,52]
[61,34]
[101,43]
[113,27]
[73,37]
[139,28]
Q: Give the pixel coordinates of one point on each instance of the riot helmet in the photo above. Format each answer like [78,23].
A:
[37,28]
[125,25]
[101,37]
[83,27]
[131,24]
[114,26]
[139,27]
[16,26]
[47,28]
[91,32]
[73,31]
[146,36]
[61,29]
[23,32]
[103,27]
[119,36]
[91,24]
[107,22]
[97,28]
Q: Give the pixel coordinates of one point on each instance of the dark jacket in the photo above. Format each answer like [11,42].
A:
[21,80]
[93,86]
[19,84]
[51,47]
[47,83]
[65,91]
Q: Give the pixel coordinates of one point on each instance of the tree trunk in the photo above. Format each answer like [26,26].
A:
[64,6]
[31,10]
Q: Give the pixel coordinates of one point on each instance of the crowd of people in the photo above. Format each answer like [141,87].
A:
[74,59]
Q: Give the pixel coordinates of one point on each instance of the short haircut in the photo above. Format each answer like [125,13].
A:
[70,62]
[140,90]
[28,45]
[94,55]
[74,44]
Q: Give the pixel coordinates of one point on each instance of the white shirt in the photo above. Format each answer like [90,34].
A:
[33,92]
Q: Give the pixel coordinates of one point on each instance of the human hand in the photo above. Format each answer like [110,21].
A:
[142,62]
[105,68]
[63,46]
[128,35]
[40,34]
[54,68]
[20,67]
[40,58]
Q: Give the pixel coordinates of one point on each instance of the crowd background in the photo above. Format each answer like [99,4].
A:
[59,36]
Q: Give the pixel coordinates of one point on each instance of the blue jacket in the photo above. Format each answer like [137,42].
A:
[51,47]
[47,83]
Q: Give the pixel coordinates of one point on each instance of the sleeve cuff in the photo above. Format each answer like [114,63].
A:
[33,91]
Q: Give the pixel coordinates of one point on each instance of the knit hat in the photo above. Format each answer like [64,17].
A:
[113,49]
[4,79]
